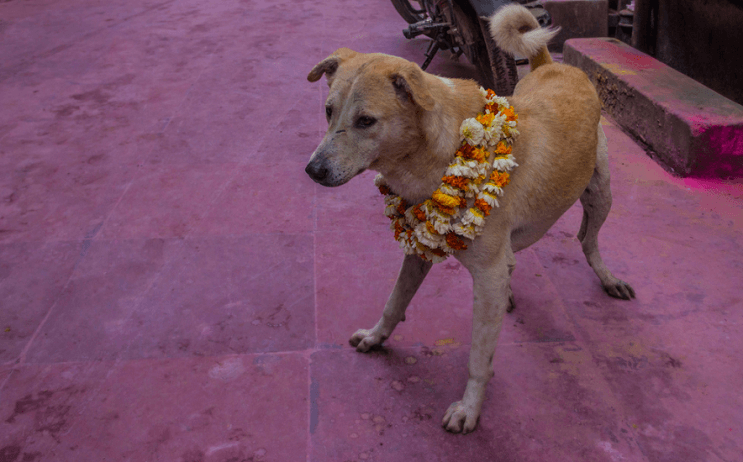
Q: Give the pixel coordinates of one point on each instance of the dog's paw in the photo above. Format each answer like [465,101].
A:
[460,418]
[620,289]
[364,339]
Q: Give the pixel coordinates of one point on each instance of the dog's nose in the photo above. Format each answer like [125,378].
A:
[317,171]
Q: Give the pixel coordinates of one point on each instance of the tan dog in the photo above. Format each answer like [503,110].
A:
[386,114]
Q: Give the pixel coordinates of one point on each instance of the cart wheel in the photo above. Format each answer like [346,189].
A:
[408,12]
[496,68]
[496,64]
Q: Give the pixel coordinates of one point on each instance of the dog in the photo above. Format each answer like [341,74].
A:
[387,115]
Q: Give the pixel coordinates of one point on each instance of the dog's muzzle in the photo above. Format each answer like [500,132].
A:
[318,171]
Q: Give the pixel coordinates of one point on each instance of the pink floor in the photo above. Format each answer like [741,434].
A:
[174,287]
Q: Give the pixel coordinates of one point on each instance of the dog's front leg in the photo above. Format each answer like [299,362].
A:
[412,273]
[491,296]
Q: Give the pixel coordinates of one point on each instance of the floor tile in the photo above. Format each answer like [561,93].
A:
[32,276]
[166,201]
[86,322]
[61,196]
[228,295]
[356,272]
[201,289]
[356,205]
[545,402]
[680,404]
[262,198]
[208,409]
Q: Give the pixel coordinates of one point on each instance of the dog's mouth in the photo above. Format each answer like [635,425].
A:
[324,175]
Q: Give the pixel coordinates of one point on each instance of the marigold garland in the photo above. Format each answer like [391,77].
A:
[428,229]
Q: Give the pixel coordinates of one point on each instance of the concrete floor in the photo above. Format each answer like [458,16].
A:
[174,287]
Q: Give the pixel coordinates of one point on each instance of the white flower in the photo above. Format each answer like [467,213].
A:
[505,164]
[513,131]
[392,200]
[471,131]
[491,188]
[494,133]
[442,226]
[435,258]
[449,190]
[379,180]
[472,191]
[466,231]
[473,218]
[410,218]
[489,198]
[483,92]
[501,102]
[425,237]
[462,168]
[482,168]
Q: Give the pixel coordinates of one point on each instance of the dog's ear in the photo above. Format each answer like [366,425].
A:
[329,65]
[410,86]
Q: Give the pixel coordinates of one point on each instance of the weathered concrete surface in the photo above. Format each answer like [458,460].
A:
[578,19]
[693,130]
[174,287]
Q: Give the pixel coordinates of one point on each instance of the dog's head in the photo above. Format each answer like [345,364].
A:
[373,109]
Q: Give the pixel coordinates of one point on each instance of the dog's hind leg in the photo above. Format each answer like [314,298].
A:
[414,270]
[596,200]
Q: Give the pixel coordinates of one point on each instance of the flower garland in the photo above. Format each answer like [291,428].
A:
[428,229]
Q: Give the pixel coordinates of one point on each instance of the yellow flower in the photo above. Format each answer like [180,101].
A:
[445,199]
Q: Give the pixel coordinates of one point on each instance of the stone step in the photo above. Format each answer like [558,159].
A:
[693,130]
[578,19]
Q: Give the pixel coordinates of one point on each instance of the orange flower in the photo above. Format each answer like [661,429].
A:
[398,229]
[465,151]
[511,116]
[503,148]
[446,210]
[419,214]
[468,152]
[491,94]
[455,242]
[456,181]
[483,206]
[500,179]
[402,207]
[493,108]
[478,154]
[462,202]
[485,119]
[384,190]
[438,252]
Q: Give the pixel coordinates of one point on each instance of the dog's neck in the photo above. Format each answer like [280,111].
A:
[418,173]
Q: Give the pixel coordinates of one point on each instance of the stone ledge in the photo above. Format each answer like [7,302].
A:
[693,130]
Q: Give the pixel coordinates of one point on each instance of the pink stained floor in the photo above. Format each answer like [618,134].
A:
[173,286]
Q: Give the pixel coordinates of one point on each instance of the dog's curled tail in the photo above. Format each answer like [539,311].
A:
[516,31]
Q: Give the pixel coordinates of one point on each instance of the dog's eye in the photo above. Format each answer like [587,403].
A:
[365,122]
[328,112]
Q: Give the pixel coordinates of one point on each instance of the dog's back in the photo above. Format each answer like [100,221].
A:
[559,112]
